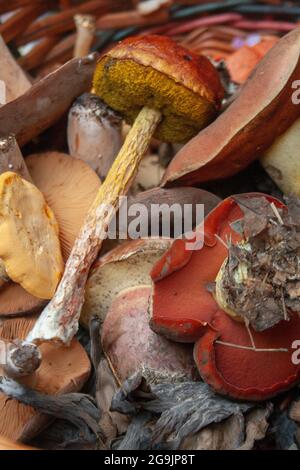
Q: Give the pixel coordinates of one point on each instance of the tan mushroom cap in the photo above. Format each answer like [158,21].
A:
[29,244]
[69,186]
[63,370]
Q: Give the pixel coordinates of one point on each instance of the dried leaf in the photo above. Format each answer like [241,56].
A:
[184,408]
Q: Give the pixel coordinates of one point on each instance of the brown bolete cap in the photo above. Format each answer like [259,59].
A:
[63,370]
[69,186]
[29,244]
[156,72]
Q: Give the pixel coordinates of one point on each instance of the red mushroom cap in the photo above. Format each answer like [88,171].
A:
[184,310]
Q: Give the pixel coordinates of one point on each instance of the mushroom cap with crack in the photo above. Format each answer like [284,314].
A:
[156,72]
[63,370]
[69,186]
[29,243]
[184,309]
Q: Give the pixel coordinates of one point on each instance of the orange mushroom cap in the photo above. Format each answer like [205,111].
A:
[156,72]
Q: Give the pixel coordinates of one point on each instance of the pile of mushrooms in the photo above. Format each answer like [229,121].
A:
[235,299]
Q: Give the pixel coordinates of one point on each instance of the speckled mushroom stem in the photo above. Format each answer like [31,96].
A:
[59,320]
[11,158]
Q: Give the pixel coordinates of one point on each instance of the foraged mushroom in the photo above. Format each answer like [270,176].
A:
[86,27]
[130,345]
[281,160]
[263,110]
[234,358]
[29,244]
[94,133]
[124,267]
[69,187]
[185,95]
[63,370]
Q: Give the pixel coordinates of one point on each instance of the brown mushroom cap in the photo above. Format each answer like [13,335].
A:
[69,186]
[156,72]
[63,370]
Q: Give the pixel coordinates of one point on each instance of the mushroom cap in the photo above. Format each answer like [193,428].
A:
[131,345]
[69,186]
[63,370]
[183,309]
[29,244]
[127,265]
[156,72]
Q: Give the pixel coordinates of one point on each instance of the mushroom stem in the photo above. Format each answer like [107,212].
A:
[21,358]
[86,27]
[59,320]
[11,158]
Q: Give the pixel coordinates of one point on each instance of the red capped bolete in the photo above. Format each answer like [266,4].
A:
[29,246]
[185,94]
[262,111]
[63,370]
[155,72]
[236,298]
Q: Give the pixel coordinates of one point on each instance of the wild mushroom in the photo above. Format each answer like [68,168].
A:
[86,28]
[263,110]
[126,266]
[29,244]
[69,187]
[233,357]
[185,95]
[281,160]
[131,346]
[63,370]
[55,175]
[94,133]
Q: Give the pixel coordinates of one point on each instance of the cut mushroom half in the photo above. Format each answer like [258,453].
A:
[29,245]
[126,266]
[63,370]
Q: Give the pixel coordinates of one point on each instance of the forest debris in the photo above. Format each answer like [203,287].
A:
[183,408]
[47,100]
[261,278]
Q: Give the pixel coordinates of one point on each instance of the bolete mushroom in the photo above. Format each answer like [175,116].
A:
[29,245]
[262,111]
[131,346]
[126,266]
[233,357]
[185,94]
[63,370]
